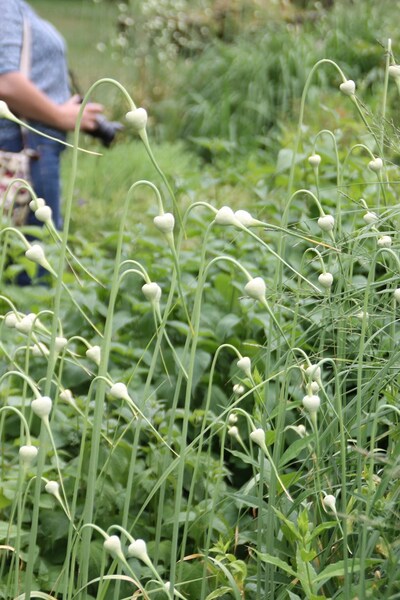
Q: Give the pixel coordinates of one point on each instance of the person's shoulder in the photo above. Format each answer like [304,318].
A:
[11,7]
[11,19]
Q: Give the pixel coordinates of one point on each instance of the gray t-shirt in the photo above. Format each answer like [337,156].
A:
[48,65]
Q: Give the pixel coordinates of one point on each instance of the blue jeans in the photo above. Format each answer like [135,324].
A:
[45,170]
[45,177]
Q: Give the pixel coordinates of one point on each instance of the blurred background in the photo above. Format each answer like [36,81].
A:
[221,81]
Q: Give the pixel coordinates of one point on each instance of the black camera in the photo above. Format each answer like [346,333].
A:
[106,130]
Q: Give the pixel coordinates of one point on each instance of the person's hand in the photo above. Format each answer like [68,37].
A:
[69,113]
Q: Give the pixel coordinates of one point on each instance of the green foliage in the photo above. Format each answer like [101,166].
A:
[223,75]
[237,489]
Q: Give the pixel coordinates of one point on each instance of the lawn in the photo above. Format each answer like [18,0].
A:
[203,402]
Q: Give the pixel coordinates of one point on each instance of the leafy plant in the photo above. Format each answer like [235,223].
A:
[209,408]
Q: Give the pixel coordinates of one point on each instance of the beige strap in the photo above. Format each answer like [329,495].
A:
[25,64]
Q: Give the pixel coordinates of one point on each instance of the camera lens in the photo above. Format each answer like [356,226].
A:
[106,130]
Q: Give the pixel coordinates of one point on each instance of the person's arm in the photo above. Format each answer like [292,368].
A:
[26,100]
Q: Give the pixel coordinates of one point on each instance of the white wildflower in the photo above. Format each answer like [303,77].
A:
[42,406]
[326,280]
[256,288]
[137,118]
[326,222]
[348,87]
[311,403]
[165,223]
[314,160]
[94,353]
[152,291]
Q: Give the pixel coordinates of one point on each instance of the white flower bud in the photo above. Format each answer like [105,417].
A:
[396,294]
[25,325]
[40,349]
[119,391]
[60,343]
[361,315]
[238,389]
[370,218]
[314,387]
[36,203]
[42,406]
[36,254]
[67,396]
[244,364]
[113,545]
[329,503]
[11,319]
[53,488]
[311,403]
[375,165]
[94,353]
[348,87]
[138,549]
[165,223]
[225,216]
[314,160]
[300,430]
[27,455]
[326,280]
[313,372]
[385,241]
[43,214]
[258,437]
[152,291]
[137,118]
[255,288]
[245,218]
[233,432]
[394,71]
[326,223]
[5,112]
[233,418]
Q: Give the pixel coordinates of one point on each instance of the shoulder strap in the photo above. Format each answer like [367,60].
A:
[25,64]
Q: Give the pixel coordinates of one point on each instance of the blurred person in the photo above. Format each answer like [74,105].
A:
[41,96]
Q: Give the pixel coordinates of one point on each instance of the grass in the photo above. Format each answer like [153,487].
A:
[98,201]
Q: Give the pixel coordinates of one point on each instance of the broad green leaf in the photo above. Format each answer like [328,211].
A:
[247,500]
[302,522]
[338,569]
[285,157]
[270,437]
[306,573]
[10,532]
[245,458]
[289,479]
[277,562]
[226,325]
[322,527]
[201,364]
[307,555]
[291,526]
[294,450]
[4,501]
[219,592]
